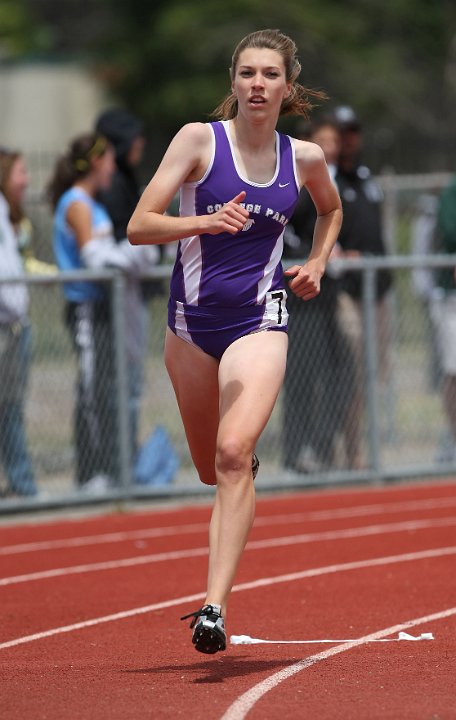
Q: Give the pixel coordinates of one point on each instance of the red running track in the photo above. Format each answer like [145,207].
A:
[90,612]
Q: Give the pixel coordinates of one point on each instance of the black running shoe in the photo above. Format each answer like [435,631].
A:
[255,466]
[209,629]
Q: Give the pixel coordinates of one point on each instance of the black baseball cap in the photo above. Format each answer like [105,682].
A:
[120,127]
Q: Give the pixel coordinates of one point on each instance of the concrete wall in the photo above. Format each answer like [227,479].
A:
[42,107]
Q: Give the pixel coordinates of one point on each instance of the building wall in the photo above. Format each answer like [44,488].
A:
[43,105]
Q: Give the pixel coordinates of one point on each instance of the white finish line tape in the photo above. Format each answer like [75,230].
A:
[247,640]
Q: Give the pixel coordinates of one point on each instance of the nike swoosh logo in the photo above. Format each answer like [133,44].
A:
[281,185]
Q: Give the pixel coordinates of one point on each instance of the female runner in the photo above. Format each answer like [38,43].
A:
[226,341]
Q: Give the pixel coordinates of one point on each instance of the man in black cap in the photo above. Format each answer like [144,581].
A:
[125,132]
[361,234]
[362,198]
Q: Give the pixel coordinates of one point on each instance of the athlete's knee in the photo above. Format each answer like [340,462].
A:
[233,458]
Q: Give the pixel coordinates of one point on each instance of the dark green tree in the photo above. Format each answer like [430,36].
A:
[168,60]
[391,61]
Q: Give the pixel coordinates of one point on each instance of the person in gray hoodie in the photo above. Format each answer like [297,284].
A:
[15,341]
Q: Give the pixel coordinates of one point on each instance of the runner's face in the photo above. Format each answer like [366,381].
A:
[259,83]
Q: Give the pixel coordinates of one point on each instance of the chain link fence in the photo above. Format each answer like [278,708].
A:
[355,406]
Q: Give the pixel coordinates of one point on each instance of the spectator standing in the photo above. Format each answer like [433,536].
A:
[361,235]
[319,378]
[125,133]
[15,340]
[424,282]
[446,319]
[84,238]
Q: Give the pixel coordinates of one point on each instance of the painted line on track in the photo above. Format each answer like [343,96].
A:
[241,587]
[327,535]
[260,521]
[245,702]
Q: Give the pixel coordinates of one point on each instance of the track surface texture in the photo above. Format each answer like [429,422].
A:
[90,610]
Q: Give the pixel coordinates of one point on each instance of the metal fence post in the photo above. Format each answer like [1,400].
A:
[390,212]
[371,365]
[121,370]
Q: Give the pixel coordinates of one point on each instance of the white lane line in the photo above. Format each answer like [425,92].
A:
[260,521]
[100,620]
[104,538]
[351,533]
[107,565]
[245,702]
[348,533]
[344,567]
[361,511]
[241,587]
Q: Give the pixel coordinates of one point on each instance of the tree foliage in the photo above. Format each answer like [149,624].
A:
[17,35]
[168,60]
[391,61]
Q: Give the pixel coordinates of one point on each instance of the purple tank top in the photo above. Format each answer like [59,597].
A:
[235,270]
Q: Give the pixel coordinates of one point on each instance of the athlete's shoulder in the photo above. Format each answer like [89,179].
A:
[185,159]
[310,160]
[197,133]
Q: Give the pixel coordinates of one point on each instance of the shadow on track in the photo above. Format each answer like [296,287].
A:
[220,669]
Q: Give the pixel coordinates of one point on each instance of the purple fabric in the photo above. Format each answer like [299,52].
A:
[224,286]
[213,329]
[233,266]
